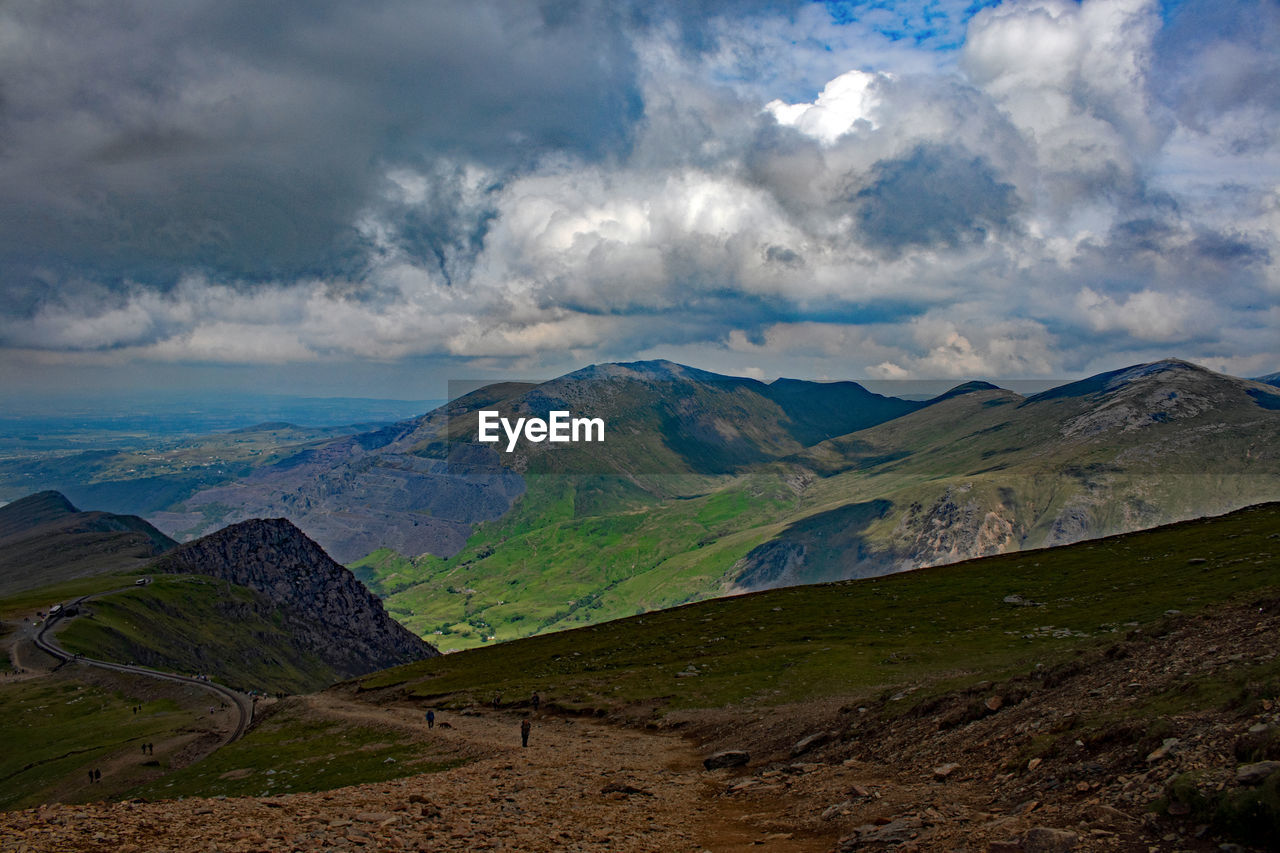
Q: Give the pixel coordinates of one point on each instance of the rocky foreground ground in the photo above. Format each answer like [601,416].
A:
[1099,753]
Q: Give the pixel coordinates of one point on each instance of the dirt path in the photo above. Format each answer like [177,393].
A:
[579,786]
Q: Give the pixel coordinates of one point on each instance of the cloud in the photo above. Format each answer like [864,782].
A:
[1147,315]
[991,349]
[935,196]
[844,104]
[245,139]
[1017,189]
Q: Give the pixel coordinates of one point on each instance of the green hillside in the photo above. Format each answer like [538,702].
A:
[939,628]
[56,729]
[192,624]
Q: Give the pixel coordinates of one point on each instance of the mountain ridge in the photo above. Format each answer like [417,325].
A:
[981,472]
[699,470]
[45,539]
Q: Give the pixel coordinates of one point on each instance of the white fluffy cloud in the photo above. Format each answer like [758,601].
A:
[846,103]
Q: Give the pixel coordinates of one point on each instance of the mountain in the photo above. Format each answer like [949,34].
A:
[44,540]
[987,471]
[257,605]
[325,611]
[979,470]
[422,485]
[1269,379]
[709,485]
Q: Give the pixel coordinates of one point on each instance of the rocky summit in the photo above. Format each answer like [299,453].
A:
[331,614]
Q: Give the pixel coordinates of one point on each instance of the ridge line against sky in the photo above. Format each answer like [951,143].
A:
[370,199]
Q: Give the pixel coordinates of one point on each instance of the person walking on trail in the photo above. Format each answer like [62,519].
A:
[536,700]
[525,725]
[497,700]
[431,719]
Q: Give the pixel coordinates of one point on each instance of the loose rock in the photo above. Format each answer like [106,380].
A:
[727,758]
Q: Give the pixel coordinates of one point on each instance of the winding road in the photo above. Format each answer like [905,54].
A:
[243,704]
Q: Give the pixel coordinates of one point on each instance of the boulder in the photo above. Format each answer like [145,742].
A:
[1160,753]
[726,758]
[1043,839]
[942,771]
[811,742]
[898,831]
[1256,774]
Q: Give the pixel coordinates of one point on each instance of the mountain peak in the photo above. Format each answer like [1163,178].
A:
[966,388]
[337,618]
[34,511]
[1113,380]
[659,369]
[48,504]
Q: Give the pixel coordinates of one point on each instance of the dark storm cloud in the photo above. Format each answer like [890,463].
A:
[935,196]
[144,139]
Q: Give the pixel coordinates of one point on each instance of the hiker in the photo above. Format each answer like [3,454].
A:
[536,700]
[497,699]
[97,775]
[431,719]
[525,725]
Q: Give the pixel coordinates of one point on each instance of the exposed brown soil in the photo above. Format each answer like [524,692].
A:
[580,785]
[1056,759]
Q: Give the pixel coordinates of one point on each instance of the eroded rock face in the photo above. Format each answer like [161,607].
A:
[327,610]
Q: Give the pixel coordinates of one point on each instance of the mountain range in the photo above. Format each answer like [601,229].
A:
[709,485]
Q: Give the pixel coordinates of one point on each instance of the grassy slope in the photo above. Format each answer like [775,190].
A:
[948,625]
[573,552]
[55,730]
[195,624]
[935,630]
[33,600]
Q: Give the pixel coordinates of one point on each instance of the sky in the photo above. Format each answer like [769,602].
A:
[376,198]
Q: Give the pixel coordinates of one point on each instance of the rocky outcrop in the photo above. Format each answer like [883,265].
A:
[327,610]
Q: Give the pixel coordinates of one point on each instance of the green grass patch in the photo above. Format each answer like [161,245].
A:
[55,730]
[40,600]
[288,751]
